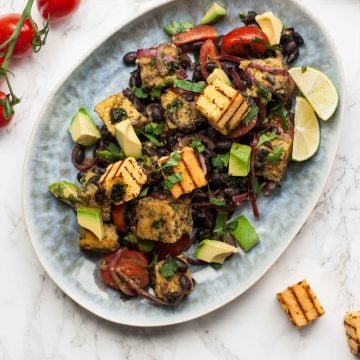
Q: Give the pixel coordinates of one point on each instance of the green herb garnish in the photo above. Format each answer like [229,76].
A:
[177,27]
[140,93]
[256,186]
[220,159]
[118,114]
[173,160]
[154,128]
[220,224]
[154,261]
[157,224]
[266,137]
[217,202]
[265,95]
[156,91]
[254,110]
[151,138]
[111,153]
[143,192]
[197,145]
[172,180]
[175,105]
[274,156]
[146,246]
[169,269]
[117,192]
[265,43]
[196,87]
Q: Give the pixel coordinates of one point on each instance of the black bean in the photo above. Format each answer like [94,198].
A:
[189,128]
[249,18]
[286,35]
[196,46]
[231,191]
[93,180]
[188,96]
[288,104]
[199,195]
[210,66]
[181,265]
[293,56]
[127,92]
[215,179]
[204,234]
[270,53]
[218,42]
[156,112]
[80,154]
[139,106]
[290,47]
[99,196]
[174,297]
[135,79]
[130,58]
[161,152]
[212,133]
[148,150]
[223,145]
[171,141]
[298,38]
[185,282]
[197,75]
[106,135]
[258,165]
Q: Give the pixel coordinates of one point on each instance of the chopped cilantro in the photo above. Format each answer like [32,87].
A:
[118,114]
[175,105]
[284,123]
[143,192]
[111,153]
[265,95]
[156,91]
[140,93]
[266,43]
[154,128]
[172,180]
[303,69]
[220,223]
[169,268]
[176,27]
[254,110]
[157,224]
[173,160]
[197,145]
[117,192]
[216,201]
[154,261]
[274,156]
[266,137]
[151,138]
[220,159]
[196,87]
[145,246]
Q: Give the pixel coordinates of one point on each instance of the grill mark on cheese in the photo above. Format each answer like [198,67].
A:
[286,308]
[193,179]
[307,290]
[299,303]
[226,112]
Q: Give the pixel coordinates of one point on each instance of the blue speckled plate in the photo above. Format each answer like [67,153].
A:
[52,226]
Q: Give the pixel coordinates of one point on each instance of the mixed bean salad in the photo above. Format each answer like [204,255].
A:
[203,128]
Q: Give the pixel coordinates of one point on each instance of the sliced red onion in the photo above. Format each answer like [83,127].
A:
[239,199]
[146,53]
[202,163]
[269,69]
[86,164]
[235,77]
[230,58]
[251,176]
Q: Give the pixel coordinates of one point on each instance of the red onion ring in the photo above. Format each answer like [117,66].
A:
[269,69]
[146,53]
[202,163]
[87,164]
[239,199]
[230,58]
[235,77]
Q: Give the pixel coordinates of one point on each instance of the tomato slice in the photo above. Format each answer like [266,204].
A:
[118,217]
[245,39]
[198,33]
[132,263]
[208,52]
[162,249]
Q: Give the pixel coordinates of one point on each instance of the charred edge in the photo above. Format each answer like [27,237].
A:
[298,302]
[308,292]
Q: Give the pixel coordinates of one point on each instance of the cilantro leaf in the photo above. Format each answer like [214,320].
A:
[172,180]
[173,161]
[143,192]
[156,91]
[266,137]
[217,202]
[254,110]
[284,123]
[176,27]
[265,95]
[169,269]
[154,128]
[220,224]
[196,87]
[197,145]
[220,159]
[154,261]
[140,93]
[111,153]
[151,138]
[266,43]
[274,156]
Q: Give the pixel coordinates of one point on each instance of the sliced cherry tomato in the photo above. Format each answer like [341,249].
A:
[23,43]
[198,33]
[133,256]
[208,52]
[118,217]
[243,40]
[175,249]
[57,9]
[3,121]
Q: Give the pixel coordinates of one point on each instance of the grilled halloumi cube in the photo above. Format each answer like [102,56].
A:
[126,111]
[163,220]
[300,304]
[192,173]
[222,106]
[272,158]
[179,113]
[89,241]
[123,180]
[352,329]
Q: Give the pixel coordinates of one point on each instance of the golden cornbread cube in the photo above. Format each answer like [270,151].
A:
[192,173]
[222,106]
[300,304]
[123,180]
[163,220]
[178,112]
[352,329]
[89,241]
[121,103]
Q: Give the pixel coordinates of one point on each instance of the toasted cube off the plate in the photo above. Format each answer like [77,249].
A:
[116,108]
[192,173]
[89,241]
[222,106]
[352,329]
[123,180]
[178,112]
[163,220]
[300,304]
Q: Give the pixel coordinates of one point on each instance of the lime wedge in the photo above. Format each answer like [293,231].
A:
[307,131]
[318,90]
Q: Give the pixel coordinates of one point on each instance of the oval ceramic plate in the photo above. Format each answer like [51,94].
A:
[52,225]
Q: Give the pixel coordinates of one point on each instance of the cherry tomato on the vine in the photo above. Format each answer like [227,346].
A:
[244,39]
[3,121]
[57,9]
[7,26]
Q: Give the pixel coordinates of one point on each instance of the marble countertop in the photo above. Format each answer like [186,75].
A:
[37,321]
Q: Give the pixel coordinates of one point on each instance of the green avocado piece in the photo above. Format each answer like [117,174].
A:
[215,13]
[65,191]
[244,233]
[91,219]
[239,162]
[214,251]
[219,74]
[83,129]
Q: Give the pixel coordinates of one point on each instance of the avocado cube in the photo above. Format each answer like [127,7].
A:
[244,233]
[214,251]
[65,191]
[215,13]
[91,220]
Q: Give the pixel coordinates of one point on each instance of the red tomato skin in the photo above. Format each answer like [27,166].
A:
[175,249]
[3,122]
[239,40]
[208,52]
[200,32]
[7,26]
[57,9]
[118,217]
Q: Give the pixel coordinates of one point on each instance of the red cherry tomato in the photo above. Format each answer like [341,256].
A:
[175,249]
[201,32]
[208,52]
[7,26]
[57,9]
[242,40]
[118,217]
[3,122]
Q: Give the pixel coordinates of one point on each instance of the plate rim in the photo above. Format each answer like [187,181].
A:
[281,250]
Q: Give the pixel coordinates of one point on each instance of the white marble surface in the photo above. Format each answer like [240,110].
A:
[37,321]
